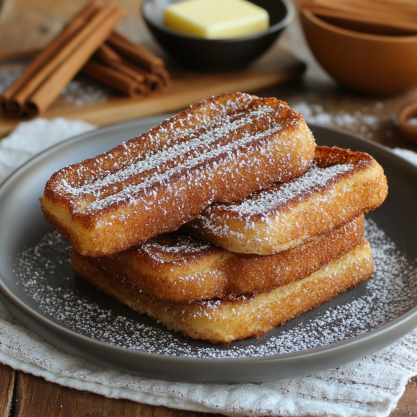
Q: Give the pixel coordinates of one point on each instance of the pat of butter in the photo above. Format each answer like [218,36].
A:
[216,19]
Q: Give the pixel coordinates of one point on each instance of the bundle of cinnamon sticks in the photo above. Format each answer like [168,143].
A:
[89,44]
[384,17]
[128,67]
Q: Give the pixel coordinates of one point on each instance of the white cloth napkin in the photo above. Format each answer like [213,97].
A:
[371,386]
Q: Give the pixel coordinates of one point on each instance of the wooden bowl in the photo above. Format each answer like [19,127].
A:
[217,54]
[375,64]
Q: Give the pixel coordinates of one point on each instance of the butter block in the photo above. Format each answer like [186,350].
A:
[216,19]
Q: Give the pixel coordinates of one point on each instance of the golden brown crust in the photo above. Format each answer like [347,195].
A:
[175,267]
[340,185]
[221,149]
[223,321]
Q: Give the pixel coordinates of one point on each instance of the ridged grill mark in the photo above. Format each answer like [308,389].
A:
[218,138]
[131,190]
[267,201]
[170,131]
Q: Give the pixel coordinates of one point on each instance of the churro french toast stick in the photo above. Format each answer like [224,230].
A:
[225,320]
[221,149]
[176,267]
[338,186]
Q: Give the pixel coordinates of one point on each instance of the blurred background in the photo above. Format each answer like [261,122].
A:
[28,26]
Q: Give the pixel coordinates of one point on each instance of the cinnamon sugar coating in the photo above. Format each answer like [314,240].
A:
[175,267]
[338,186]
[222,149]
[224,320]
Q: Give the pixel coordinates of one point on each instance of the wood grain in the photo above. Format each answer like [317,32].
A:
[407,406]
[37,397]
[7,378]
[43,19]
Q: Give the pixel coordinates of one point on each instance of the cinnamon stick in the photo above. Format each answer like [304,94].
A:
[15,107]
[125,75]
[64,59]
[152,81]
[129,68]
[82,46]
[135,53]
[106,55]
[15,55]
[124,69]
[165,78]
[114,78]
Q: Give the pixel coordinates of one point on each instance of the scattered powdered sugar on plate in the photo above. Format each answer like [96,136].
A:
[44,272]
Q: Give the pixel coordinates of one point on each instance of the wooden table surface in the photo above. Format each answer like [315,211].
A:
[22,394]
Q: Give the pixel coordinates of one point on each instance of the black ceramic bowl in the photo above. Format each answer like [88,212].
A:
[217,54]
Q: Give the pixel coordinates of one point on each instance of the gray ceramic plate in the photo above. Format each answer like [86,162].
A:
[40,289]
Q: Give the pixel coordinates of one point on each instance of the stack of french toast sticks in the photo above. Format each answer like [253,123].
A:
[221,223]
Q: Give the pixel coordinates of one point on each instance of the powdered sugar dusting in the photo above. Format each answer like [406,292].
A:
[180,244]
[221,135]
[44,272]
[185,147]
[189,163]
[312,180]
